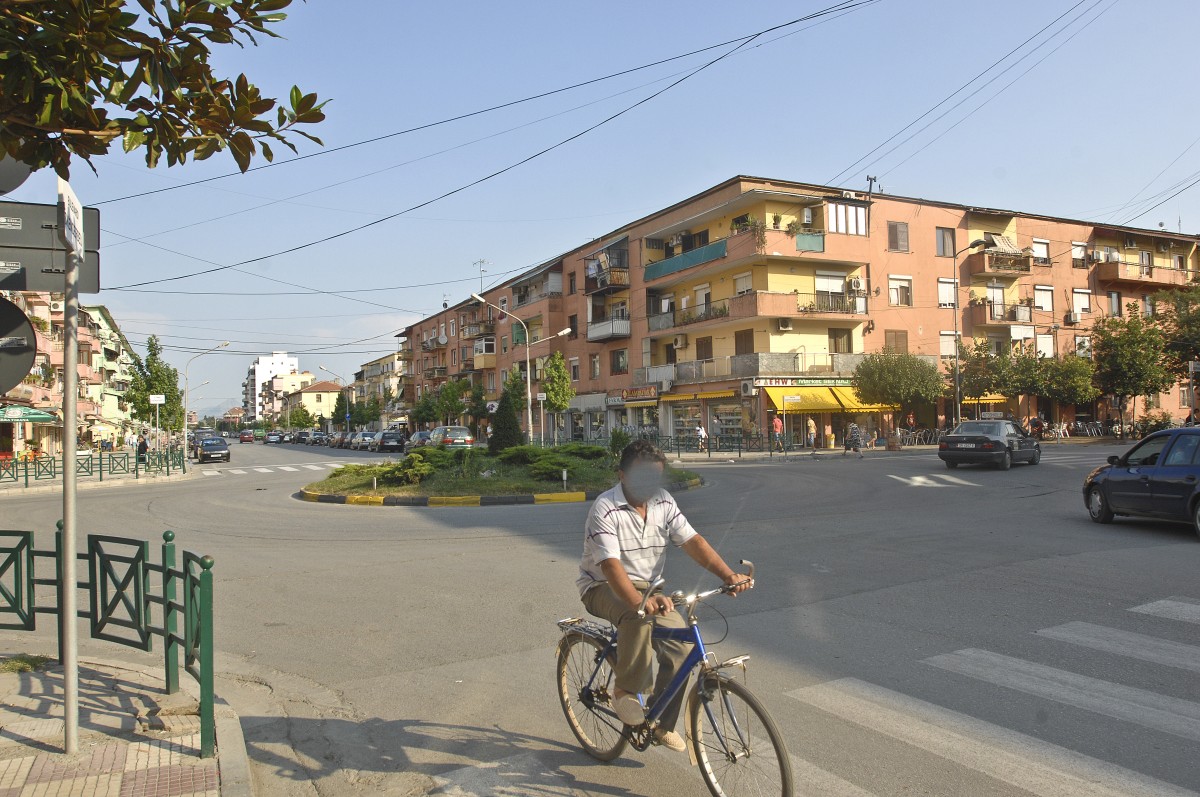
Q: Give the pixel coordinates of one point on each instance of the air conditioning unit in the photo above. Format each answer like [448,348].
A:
[849,195]
[665,385]
[680,341]
[1114,257]
[855,283]
[56,307]
[806,218]
[748,388]
[675,240]
[1130,243]
[1074,318]
[785,325]
[1163,246]
[1096,256]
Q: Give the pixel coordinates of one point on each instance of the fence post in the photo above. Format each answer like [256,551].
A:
[102,464]
[208,734]
[58,586]
[26,472]
[170,621]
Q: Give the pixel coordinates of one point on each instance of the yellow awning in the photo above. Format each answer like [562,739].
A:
[641,403]
[987,398]
[803,399]
[853,403]
[667,399]
[712,394]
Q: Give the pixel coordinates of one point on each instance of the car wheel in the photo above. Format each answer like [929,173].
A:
[1006,462]
[1196,517]
[1097,507]
[951,465]
[1037,456]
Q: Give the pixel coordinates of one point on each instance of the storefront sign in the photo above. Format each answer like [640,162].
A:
[798,381]
[646,393]
[614,401]
[589,402]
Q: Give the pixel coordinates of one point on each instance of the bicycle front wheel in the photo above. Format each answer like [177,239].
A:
[738,747]
[585,689]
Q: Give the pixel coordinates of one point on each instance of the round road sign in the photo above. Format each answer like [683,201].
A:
[18,345]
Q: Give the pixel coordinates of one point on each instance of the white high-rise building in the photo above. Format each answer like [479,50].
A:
[260,372]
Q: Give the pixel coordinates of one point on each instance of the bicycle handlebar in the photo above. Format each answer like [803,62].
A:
[679,599]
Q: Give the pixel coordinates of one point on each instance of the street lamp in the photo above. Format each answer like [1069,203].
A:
[185,395]
[341,382]
[957,344]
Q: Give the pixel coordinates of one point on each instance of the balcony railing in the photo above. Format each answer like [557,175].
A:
[1142,275]
[748,366]
[607,280]
[999,263]
[435,372]
[759,304]
[810,242]
[431,344]
[694,257]
[1000,313]
[479,329]
[523,299]
[608,329]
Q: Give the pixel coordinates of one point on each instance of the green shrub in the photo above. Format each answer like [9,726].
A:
[1155,421]
[410,470]
[617,442]
[550,467]
[522,455]
[440,458]
[581,450]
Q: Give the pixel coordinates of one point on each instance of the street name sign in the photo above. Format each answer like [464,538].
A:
[158,398]
[33,256]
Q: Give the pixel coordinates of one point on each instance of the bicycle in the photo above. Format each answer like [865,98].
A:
[732,737]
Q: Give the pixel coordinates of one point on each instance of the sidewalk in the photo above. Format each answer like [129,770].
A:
[55,485]
[134,740]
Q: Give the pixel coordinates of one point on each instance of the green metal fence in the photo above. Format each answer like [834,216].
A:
[124,603]
[30,471]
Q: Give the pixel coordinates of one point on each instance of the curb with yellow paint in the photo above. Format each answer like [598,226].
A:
[470,500]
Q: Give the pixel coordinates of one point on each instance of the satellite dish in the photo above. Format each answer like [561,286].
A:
[443,340]
[12,173]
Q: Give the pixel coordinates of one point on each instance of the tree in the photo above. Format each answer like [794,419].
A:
[424,411]
[1130,357]
[151,376]
[340,410]
[897,379]
[1178,317]
[1069,380]
[76,77]
[300,418]
[556,383]
[477,407]
[450,406]
[506,431]
[514,385]
[372,410]
[977,369]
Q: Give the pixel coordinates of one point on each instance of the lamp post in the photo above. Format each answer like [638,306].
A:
[957,343]
[185,395]
[341,382]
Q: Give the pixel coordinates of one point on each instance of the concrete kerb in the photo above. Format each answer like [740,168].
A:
[12,489]
[469,500]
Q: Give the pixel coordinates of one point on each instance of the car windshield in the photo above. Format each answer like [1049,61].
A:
[212,441]
[979,427]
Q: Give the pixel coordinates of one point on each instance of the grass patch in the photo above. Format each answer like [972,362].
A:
[477,473]
[23,662]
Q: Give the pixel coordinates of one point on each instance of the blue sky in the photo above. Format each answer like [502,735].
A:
[1105,118]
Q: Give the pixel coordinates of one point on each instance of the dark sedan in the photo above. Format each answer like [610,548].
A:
[417,440]
[1156,478]
[996,442]
[212,449]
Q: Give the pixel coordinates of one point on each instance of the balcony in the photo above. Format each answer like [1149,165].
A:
[701,254]
[748,366]
[741,247]
[90,376]
[608,280]
[608,329]
[996,313]
[435,372]
[1000,263]
[404,355]
[1156,276]
[478,329]
[466,365]
[484,361]
[526,298]
[433,344]
[762,304]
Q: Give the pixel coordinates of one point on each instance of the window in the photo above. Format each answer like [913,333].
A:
[573,323]
[317,397]
[1043,297]
[1178,261]
[1081,300]
[574,369]
[1184,450]
[695,240]
[831,291]
[491,383]
[1145,263]
[619,362]
[895,341]
[1041,252]
[1152,402]
[1079,254]
[946,291]
[945,241]
[1045,346]
[1185,396]
[595,366]
[618,310]
[704,350]
[452,328]
[1147,306]
[1114,303]
[703,294]
[504,344]
[898,236]
[571,283]
[840,341]
[846,219]
[743,341]
[667,304]
[900,291]
[743,283]
[503,307]
[442,329]
[948,347]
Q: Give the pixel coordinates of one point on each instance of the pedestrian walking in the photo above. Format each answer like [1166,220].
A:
[777,429]
[714,435]
[143,448]
[853,440]
[701,437]
[812,432]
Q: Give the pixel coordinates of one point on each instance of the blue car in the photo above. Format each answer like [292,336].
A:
[1157,478]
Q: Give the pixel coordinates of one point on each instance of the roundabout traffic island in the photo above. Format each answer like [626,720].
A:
[469,477]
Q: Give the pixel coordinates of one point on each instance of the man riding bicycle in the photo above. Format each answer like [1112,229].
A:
[624,551]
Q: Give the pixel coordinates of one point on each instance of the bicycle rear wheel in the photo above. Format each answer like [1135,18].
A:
[587,701]
[738,747]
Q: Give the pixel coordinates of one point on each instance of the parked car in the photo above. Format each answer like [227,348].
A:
[417,440]
[259,434]
[301,438]
[194,443]
[452,437]
[272,437]
[336,440]
[997,442]
[247,436]
[212,449]
[387,441]
[317,439]
[287,437]
[1157,478]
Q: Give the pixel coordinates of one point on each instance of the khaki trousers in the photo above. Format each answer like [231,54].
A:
[635,647]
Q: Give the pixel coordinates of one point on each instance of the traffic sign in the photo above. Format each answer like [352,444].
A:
[158,398]
[32,257]
[541,396]
[70,218]
[1194,366]
[18,346]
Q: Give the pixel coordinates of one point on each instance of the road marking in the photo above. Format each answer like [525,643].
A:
[956,480]
[333,464]
[1008,756]
[211,472]
[314,467]
[238,472]
[285,467]
[263,470]
[1173,609]
[1127,643]
[918,481]
[1170,715]
[516,775]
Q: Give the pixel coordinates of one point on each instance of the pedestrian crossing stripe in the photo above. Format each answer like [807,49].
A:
[1038,767]
[1183,609]
[263,470]
[313,467]
[285,467]
[238,472]
[1128,644]
[211,472]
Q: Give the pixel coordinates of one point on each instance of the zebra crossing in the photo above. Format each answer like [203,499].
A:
[320,466]
[965,479]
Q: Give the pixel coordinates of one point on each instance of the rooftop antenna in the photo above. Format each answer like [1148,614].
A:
[445,301]
[871,184]
[481,263]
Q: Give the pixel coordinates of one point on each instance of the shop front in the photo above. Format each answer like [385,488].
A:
[585,417]
[635,410]
[795,406]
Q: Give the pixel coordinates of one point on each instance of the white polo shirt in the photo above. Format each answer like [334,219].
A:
[615,530]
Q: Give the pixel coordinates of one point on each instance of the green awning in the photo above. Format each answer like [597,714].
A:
[15,413]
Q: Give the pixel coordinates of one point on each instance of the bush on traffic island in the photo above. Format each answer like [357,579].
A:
[551,466]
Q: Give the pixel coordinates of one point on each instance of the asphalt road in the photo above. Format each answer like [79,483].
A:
[915,631]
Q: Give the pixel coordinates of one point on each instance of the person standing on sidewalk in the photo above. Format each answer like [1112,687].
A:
[701,437]
[777,430]
[143,448]
[812,432]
